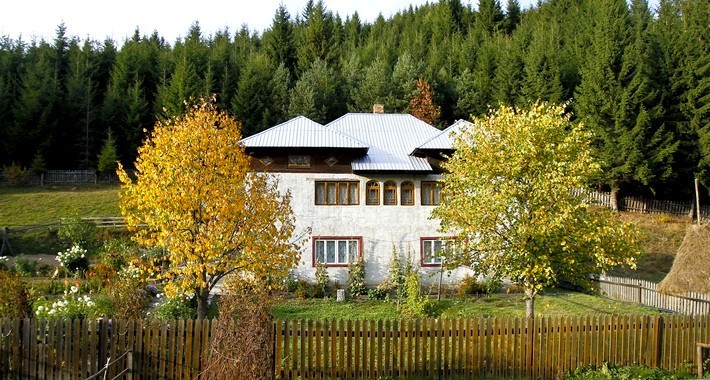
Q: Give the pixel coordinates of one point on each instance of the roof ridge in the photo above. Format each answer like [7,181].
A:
[281,125]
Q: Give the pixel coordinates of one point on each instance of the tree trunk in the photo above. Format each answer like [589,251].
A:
[530,303]
[615,198]
[203,297]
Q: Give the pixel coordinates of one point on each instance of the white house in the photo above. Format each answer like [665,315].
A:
[364,184]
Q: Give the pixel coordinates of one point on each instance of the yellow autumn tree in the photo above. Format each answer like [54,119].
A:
[510,197]
[195,197]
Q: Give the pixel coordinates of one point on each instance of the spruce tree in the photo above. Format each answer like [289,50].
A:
[279,40]
[252,103]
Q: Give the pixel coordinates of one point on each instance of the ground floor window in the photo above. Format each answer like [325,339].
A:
[336,251]
[432,250]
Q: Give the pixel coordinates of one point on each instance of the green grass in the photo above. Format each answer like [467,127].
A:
[28,206]
[560,303]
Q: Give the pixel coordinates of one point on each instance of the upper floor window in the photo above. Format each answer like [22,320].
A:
[372,189]
[431,193]
[337,193]
[336,251]
[390,193]
[299,161]
[407,193]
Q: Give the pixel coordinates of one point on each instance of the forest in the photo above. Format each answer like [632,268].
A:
[638,78]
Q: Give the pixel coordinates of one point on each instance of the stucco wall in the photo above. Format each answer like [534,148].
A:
[380,227]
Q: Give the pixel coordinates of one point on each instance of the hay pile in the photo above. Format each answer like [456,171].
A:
[691,267]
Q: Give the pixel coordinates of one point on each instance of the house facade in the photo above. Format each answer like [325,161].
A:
[364,186]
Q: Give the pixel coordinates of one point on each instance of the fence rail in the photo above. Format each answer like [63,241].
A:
[646,293]
[540,348]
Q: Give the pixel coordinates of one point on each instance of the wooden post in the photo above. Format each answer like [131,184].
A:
[640,289]
[5,241]
[129,365]
[697,200]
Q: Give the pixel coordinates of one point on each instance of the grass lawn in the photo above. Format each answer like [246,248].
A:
[32,205]
[559,303]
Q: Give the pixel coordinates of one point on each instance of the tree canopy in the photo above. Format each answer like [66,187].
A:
[511,198]
[195,198]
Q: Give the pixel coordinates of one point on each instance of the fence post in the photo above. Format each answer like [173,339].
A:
[640,289]
[129,364]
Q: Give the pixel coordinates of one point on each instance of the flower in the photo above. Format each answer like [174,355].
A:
[74,289]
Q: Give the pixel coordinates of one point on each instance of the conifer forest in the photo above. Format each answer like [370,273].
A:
[638,77]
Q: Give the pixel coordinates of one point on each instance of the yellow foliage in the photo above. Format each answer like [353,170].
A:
[510,195]
[195,197]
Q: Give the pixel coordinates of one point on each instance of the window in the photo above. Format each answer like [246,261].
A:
[431,194]
[373,193]
[407,193]
[390,193]
[337,193]
[433,249]
[299,161]
[336,251]
[267,161]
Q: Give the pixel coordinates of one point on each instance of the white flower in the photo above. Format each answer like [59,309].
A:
[74,289]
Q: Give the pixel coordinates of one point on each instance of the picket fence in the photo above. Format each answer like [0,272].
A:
[540,348]
[645,293]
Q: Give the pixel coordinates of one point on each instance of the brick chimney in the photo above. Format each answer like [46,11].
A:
[378,108]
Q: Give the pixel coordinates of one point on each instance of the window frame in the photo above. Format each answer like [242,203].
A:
[372,184]
[444,239]
[409,185]
[315,239]
[432,193]
[337,184]
[299,165]
[389,185]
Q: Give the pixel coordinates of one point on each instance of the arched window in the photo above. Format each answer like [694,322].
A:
[373,193]
[390,193]
[407,194]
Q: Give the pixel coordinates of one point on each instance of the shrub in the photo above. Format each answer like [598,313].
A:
[356,278]
[321,278]
[307,290]
[416,305]
[609,371]
[469,286]
[16,175]
[3,260]
[491,285]
[130,299]
[73,260]
[290,282]
[77,232]
[73,305]
[183,306]
[25,267]
[397,275]
[381,292]
[114,253]
[14,300]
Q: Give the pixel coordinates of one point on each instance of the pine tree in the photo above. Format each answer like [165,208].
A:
[279,84]
[315,94]
[252,103]
[512,16]
[107,160]
[489,16]
[279,40]
[374,87]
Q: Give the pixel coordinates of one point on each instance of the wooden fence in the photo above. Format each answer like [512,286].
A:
[77,349]
[508,347]
[645,293]
[650,206]
[496,347]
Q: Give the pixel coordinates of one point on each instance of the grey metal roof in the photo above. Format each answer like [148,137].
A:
[391,138]
[301,132]
[444,140]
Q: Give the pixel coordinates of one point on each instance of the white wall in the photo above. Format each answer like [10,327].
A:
[379,226]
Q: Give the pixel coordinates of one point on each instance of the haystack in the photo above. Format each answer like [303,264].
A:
[691,268]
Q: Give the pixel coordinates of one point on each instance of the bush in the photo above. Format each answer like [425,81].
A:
[14,300]
[73,260]
[16,175]
[114,253]
[290,282]
[130,299]
[321,278]
[379,293]
[307,290]
[415,304]
[73,305]
[356,278]
[25,267]
[609,371]
[469,286]
[77,232]
[183,306]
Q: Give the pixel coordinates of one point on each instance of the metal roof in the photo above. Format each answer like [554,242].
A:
[301,132]
[391,138]
[444,140]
